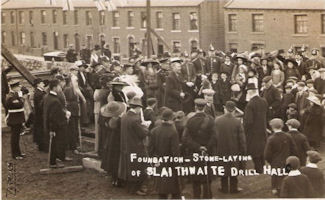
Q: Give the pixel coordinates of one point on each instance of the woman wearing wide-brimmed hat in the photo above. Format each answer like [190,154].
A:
[112,112]
[313,121]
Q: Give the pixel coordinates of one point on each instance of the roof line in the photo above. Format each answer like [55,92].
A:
[227,4]
[274,8]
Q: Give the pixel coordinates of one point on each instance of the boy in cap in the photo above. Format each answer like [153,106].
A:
[278,147]
[209,108]
[314,174]
[287,99]
[301,99]
[300,140]
[295,185]
[292,112]
[15,117]
[165,142]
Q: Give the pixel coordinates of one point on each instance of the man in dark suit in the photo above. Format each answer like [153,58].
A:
[264,70]
[255,126]
[174,89]
[15,117]
[133,132]
[38,112]
[212,62]
[4,87]
[200,64]
[199,137]
[302,65]
[230,141]
[85,54]
[56,119]
[272,97]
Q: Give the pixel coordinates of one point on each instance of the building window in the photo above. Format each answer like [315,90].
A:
[194,45]
[3,37]
[143,19]
[55,16]
[323,51]
[116,45]
[75,16]
[233,47]
[65,41]
[13,38]
[300,24]
[44,39]
[21,15]
[176,46]
[89,41]
[22,38]
[56,40]
[89,18]
[160,48]
[102,18]
[31,17]
[323,23]
[3,18]
[43,16]
[176,21]
[258,22]
[65,17]
[32,40]
[232,23]
[257,46]
[130,18]
[159,18]
[194,21]
[12,17]
[116,16]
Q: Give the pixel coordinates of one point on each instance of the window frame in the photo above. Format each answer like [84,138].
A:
[43,16]
[176,23]
[22,38]
[322,17]
[143,19]
[54,16]
[304,25]
[232,23]
[130,18]
[257,24]
[102,17]
[197,21]
[116,49]
[159,20]
[31,17]
[44,39]
[89,18]
[32,39]
[3,37]
[115,19]
[3,17]
[75,17]
[12,17]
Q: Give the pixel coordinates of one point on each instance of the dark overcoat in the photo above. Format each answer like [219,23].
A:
[165,142]
[273,99]
[173,90]
[200,131]
[15,105]
[313,123]
[231,140]
[38,116]
[317,180]
[302,145]
[255,126]
[133,134]
[278,148]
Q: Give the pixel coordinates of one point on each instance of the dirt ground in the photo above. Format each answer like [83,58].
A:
[90,184]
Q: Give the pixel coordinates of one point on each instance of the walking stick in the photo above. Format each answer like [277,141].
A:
[50,147]
[208,182]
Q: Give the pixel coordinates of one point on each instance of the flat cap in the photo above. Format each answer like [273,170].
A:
[301,84]
[293,78]
[208,92]
[293,162]
[293,123]
[310,81]
[267,79]
[314,156]
[276,123]
[230,106]
[288,87]
[167,115]
[251,86]
[292,105]
[200,102]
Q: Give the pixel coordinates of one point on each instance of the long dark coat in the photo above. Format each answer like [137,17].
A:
[132,135]
[231,140]
[162,75]
[199,131]
[104,135]
[302,145]
[273,99]
[165,142]
[173,90]
[255,126]
[317,180]
[278,148]
[38,115]
[56,121]
[313,123]
[213,64]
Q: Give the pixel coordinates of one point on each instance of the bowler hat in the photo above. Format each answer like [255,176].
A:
[266,79]
[293,162]
[113,109]
[314,156]
[167,115]
[276,123]
[136,102]
[251,86]
[293,122]
[230,106]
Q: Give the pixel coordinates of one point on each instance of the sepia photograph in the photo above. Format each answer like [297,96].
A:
[162,99]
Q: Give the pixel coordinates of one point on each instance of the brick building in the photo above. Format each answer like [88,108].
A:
[274,24]
[35,27]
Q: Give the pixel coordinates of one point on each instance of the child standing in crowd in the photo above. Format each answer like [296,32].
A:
[315,175]
[277,76]
[291,69]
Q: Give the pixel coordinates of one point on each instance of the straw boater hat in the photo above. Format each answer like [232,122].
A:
[315,100]
[113,109]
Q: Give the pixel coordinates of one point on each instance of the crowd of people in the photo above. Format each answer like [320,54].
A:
[211,103]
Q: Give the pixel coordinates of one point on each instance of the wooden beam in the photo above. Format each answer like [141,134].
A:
[14,62]
[160,38]
[61,170]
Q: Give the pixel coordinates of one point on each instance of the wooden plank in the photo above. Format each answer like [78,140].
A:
[160,38]
[62,170]
[17,65]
